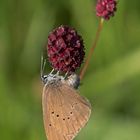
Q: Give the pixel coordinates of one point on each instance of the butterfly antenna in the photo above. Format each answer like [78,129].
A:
[52,71]
[66,75]
[58,72]
[43,64]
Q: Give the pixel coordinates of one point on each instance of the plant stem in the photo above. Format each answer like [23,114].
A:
[92,49]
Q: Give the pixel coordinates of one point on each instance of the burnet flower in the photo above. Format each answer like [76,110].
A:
[106,8]
[65,49]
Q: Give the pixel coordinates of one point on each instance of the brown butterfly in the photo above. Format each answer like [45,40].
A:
[65,112]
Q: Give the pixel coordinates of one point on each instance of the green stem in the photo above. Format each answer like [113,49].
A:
[92,49]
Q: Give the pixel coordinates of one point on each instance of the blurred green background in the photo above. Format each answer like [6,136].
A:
[111,83]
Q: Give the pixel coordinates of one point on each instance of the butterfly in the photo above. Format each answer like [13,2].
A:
[65,111]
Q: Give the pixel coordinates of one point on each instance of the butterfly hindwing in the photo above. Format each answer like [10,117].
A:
[65,112]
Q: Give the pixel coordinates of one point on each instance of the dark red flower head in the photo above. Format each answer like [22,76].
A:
[106,8]
[65,49]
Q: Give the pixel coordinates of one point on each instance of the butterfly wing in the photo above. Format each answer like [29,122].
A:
[65,112]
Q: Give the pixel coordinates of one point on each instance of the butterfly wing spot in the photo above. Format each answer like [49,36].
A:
[73,105]
[63,119]
[57,115]
[50,125]
[53,112]
[70,112]
[78,129]
[68,118]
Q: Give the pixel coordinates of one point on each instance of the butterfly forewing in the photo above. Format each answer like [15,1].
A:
[65,112]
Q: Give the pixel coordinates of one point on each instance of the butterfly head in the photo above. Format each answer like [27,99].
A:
[72,80]
[52,79]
